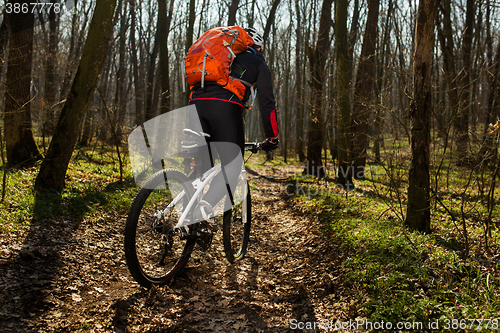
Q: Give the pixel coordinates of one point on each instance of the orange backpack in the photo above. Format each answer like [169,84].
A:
[213,54]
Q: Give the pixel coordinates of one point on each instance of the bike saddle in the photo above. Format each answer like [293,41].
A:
[196,134]
[195,140]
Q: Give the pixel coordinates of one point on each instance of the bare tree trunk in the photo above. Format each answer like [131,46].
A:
[459,103]
[446,41]
[50,75]
[363,100]
[344,177]
[353,36]
[200,24]
[87,128]
[54,166]
[164,61]
[251,14]
[331,111]
[106,84]
[232,12]
[489,61]
[382,60]
[20,143]
[121,77]
[138,81]
[150,106]
[317,60]
[286,112]
[189,36]
[462,119]
[300,88]
[76,44]
[155,99]
[419,210]
[270,20]
[4,36]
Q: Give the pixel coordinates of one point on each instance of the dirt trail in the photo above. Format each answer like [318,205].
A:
[67,279]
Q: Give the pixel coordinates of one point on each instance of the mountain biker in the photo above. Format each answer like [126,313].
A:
[220,114]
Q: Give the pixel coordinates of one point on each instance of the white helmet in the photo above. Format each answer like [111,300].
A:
[257,38]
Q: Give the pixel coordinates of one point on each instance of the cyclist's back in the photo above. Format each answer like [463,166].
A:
[219,109]
[250,67]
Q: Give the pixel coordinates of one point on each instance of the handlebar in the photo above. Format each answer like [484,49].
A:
[254,147]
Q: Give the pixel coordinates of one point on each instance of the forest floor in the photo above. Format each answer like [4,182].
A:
[62,277]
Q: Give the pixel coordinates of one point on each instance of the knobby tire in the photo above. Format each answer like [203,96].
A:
[236,227]
[149,221]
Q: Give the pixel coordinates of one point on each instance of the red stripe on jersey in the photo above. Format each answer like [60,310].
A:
[274,124]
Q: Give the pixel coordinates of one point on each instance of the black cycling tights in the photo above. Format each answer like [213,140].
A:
[223,121]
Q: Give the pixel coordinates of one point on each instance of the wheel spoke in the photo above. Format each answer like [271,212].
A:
[153,257]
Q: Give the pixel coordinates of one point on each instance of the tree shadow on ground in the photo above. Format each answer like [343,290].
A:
[33,270]
[29,275]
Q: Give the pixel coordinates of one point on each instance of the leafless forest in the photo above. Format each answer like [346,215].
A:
[393,105]
[356,82]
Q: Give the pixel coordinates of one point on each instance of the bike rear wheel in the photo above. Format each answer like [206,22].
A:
[236,222]
[155,254]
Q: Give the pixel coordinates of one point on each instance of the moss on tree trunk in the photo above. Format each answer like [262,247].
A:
[418,209]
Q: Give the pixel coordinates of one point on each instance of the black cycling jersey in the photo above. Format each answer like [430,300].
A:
[250,67]
[219,112]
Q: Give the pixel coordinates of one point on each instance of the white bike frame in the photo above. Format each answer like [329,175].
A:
[199,185]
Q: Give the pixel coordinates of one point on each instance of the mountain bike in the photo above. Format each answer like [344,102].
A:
[159,238]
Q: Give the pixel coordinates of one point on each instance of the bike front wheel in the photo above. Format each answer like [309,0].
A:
[154,252]
[236,222]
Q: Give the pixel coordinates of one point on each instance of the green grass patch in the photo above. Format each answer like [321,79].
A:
[92,190]
[398,275]
[260,161]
